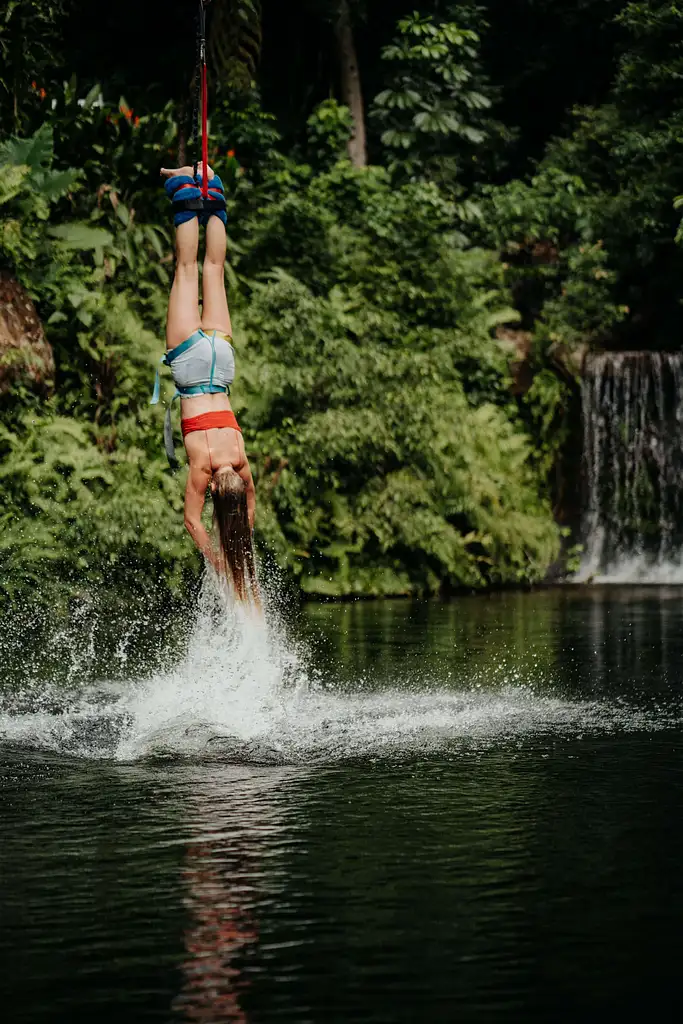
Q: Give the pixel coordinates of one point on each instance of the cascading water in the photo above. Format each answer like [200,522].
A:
[633,467]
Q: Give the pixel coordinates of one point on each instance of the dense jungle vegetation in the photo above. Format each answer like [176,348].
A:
[434,209]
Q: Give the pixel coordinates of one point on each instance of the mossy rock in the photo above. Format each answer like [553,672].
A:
[25,354]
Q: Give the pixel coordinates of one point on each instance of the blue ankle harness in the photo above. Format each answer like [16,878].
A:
[186,195]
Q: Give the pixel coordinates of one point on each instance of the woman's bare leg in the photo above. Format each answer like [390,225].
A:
[183,303]
[215,313]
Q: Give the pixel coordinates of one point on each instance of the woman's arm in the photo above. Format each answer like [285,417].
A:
[195,494]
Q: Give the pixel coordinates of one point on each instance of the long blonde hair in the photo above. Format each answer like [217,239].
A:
[231,520]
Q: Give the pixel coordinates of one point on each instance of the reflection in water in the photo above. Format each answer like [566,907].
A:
[235,819]
[222,928]
[624,643]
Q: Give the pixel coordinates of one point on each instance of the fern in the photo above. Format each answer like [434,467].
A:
[383,458]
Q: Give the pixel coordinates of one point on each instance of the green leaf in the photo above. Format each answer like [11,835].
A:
[54,184]
[81,236]
[12,179]
[93,97]
[34,151]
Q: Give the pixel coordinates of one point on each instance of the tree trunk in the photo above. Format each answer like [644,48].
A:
[350,82]
[182,140]
[25,354]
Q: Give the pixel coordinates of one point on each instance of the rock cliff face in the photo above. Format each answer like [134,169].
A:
[518,344]
[25,354]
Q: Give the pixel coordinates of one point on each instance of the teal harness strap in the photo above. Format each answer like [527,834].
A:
[203,389]
[168,435]
[173,353]
[166,360]
[154,400]
[213,358]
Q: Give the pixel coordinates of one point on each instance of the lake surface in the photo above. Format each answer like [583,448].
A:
[466,811]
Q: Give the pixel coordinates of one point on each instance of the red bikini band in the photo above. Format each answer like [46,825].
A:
[210,421]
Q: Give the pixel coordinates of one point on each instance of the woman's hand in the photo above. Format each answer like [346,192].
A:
[213,560]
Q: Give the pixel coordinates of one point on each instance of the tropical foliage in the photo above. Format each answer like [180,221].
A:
[432,111]
[409,334]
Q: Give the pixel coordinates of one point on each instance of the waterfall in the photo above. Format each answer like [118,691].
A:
[632,407]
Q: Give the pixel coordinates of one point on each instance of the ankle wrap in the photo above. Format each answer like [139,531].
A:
[188,201]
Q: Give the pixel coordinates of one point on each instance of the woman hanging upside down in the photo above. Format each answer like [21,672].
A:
[202,361]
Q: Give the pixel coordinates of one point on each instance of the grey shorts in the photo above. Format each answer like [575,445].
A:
[203,361]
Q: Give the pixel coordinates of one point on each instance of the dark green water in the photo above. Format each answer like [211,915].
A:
[458,812]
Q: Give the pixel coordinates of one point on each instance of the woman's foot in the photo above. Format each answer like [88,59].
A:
[185,172]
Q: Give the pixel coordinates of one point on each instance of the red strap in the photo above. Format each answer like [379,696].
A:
[210,421]
[205,135]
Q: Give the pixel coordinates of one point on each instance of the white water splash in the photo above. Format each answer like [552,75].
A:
[634,570]
[243,692]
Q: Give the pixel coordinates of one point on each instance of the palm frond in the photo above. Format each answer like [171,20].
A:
[235,41]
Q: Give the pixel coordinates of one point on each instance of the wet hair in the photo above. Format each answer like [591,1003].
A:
[231,520]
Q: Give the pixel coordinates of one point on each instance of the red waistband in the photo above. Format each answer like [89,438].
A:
[210,421]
